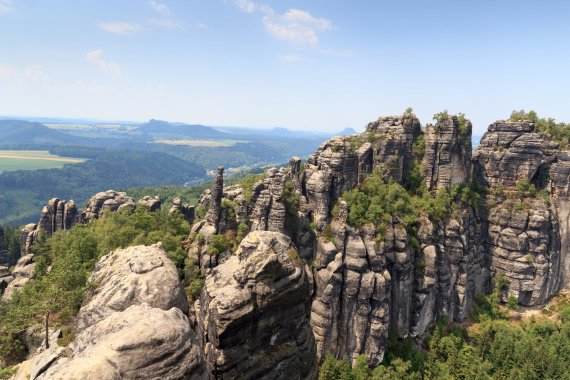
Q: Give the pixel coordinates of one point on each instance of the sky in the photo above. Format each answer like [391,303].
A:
[320,65]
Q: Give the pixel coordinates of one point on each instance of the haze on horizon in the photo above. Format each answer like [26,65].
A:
[321,65]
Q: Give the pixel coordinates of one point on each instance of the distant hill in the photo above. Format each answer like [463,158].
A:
[25,132]
[346,132]
[165,129]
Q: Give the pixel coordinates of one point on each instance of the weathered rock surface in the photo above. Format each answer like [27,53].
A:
[528,235]
[22,273]
[132,326]
[57,215]
[253,318]
[511,151]
[132,276]
[186,210]
[104,202]
[447,156]
[152,203]
[215,206]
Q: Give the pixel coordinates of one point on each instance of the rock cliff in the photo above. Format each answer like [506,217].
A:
[132,325]
[367,283]
[290,277]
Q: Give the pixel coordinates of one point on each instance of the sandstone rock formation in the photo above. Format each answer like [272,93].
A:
[447,156]
[366,285]
[132,276]
[57,215]
[104,202]
[304,282]
[254,313]
[132,326]
[186,210]
[527,232]
[152,203]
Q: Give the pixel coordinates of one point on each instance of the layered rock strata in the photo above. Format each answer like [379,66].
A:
[447,157]
[527,231]
[57,215]
[253,313]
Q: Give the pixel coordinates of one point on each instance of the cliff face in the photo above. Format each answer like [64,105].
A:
[364,286]
[289,278]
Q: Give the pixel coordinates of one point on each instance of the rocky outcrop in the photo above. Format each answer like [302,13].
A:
[151,203]
[186,210]
[22,273]
[268,212]
[527,231]
[254,313]
[132,325]
[215,205]
[104,202]
[512,151]
[447,157]
[57,215]
[560,195]
[132,276]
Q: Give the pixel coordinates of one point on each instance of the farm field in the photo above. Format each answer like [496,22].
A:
[11,160]
[204,143]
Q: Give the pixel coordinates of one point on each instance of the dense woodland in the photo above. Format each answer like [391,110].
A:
[24,193]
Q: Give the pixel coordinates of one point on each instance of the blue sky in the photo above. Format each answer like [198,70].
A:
[313,65]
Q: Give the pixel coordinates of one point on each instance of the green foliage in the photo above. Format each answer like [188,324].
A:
[200,212]
[441,116]
[512,303]
[8,372]
[415,183]
[419,148]
[396,370]
[333,369]
[167,193]
[560,132]
[405,350]
[328,233]
[409,111]
[526,189]
[12,241]
[291,202]
[193,280]
[377,201]
[247,183]
[218,244]
[462,124]
[71,256]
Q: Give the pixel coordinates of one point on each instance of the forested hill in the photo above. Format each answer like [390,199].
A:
[25,132]
[25,192]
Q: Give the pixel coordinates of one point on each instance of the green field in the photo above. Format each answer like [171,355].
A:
[203,143]
[33,159]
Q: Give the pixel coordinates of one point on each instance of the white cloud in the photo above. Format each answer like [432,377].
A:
[96,57]
[293,58]
[6,6]
[159,7]
[123,28]
[246,6]
[166,23]
[34,74]
[296,26]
